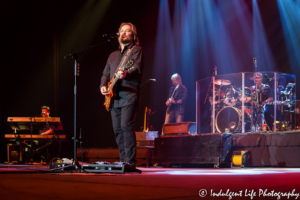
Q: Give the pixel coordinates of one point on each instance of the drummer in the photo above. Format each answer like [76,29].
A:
[264,91]
[265,95]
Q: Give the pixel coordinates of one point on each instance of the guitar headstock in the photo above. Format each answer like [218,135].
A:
[129,65]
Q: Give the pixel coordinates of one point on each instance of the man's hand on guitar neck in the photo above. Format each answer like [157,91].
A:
[121,73]
[104,90]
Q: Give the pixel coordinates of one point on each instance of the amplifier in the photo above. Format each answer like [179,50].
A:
[14,153]
[145,143]
[150,135]
[180,128]
[145,139]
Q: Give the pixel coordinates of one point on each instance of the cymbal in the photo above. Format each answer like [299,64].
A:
[222,82]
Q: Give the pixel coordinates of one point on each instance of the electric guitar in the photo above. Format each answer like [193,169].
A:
[171,98]
[110,86]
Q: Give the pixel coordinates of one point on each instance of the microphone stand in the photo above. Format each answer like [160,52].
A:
[80,142]
[255,65]
[256,95]
[76,73]
[213,74]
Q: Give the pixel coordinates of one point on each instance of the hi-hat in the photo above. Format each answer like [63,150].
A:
[222,82]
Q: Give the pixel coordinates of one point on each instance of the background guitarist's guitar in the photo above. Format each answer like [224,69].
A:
[171,98]
[110,86]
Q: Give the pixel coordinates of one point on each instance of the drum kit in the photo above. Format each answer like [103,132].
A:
[229,102]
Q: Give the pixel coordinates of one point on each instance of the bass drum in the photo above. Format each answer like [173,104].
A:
[231,118]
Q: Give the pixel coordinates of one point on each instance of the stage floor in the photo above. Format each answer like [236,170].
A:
[19,181]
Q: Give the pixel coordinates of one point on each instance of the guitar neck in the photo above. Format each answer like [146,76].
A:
[173,92]
[116,78]
[114,82]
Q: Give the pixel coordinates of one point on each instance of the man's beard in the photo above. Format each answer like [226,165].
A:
[125,41]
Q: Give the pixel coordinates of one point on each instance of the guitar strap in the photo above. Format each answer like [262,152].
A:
[124,59]
[176,92]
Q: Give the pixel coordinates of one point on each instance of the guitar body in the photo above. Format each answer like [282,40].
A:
[110,86]
[172,97]
[169,100]
[109,97]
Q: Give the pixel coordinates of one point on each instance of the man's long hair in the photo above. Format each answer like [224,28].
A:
[134,31]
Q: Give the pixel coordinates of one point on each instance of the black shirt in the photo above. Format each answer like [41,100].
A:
[179,94]
[264,92]
[127,89]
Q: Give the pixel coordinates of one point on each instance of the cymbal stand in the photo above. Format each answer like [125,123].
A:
[212,76]
[213,95]
[219,94]
[256,95]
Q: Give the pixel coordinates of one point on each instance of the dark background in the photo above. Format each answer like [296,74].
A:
[36,35]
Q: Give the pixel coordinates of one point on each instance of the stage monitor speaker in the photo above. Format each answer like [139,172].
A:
[198,149]
[180,128]
[146,138]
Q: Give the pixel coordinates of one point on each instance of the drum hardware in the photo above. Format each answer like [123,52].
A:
[219,92]
[281,126]
[280,89]
[247,92]
[230,99]
[288,89]
[211,80]
[222,82]
[231,118]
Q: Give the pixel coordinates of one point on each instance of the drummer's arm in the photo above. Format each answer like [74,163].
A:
[270,94]
[269,99]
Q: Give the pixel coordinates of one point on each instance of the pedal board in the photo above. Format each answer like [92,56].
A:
[103,167]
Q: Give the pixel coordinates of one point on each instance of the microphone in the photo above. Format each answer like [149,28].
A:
[255,63]
[111,35]
[154,80]
[216,73]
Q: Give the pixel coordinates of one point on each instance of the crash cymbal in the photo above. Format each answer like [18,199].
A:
[222,82]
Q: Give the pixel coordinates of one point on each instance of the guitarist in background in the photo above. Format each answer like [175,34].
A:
[176,101]
[127,90]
